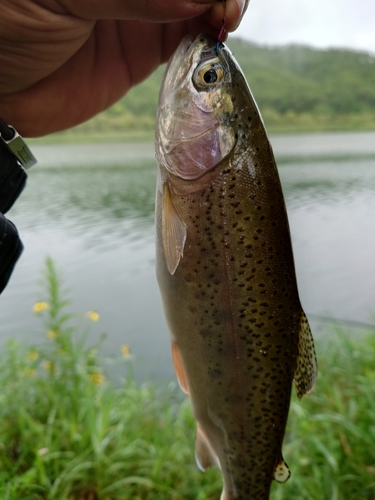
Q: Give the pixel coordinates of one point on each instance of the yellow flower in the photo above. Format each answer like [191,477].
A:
[51,334]
[93,315]
[42,452]
[32,356]
[47,365]
[125,349]
[40,306]
[30,372]
[97,378]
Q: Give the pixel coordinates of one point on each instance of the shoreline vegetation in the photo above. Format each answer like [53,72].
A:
[298,89]
[67,432]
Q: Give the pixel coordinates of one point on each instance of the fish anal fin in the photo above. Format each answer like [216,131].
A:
[204,454]
[173,232]
[179,368]
[306,367]
[281,472]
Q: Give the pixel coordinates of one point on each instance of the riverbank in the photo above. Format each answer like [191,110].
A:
[68,432]
[79,136]
[103,130]
[288,148]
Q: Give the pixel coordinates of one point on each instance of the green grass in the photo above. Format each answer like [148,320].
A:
[330,444]
[69,433]
[81,136]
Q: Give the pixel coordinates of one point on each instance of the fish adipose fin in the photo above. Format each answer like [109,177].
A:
[179,369]
[306,368]
[281,472]
[204,454]
[173,232]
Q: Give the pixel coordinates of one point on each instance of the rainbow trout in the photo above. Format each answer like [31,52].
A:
[225,269]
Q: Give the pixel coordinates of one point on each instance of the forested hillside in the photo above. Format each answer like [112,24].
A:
[302,79]
[296,88]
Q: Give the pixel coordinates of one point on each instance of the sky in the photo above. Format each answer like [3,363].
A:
[320,23]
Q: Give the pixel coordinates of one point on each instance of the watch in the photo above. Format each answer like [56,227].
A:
[15,157]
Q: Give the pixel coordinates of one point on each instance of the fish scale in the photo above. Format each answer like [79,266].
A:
[226,273]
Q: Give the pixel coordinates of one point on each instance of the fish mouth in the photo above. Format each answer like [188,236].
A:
[189,44]
[186,43]
[179,56]
[183,48]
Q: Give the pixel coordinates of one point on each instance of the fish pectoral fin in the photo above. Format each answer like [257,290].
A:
[179,369]
[306,367]
[204,454]
[281,472]
[173,231]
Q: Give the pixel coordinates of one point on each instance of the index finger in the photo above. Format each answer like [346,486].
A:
[147,10]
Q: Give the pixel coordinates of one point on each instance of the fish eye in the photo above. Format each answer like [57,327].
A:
[208,74]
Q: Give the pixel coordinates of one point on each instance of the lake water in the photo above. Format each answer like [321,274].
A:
[91,208]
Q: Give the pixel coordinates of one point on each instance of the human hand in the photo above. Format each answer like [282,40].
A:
[63,61]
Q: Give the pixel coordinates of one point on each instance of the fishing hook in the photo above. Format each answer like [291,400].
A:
[222,28]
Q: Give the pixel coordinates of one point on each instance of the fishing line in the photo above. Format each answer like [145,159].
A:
[222,28]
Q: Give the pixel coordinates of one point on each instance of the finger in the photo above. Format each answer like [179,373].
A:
[146,10]
[233,11]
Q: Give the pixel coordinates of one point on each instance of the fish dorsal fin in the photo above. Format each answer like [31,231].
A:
[281,472]
[179,368]
[173,232]
[204,454]
[306,367]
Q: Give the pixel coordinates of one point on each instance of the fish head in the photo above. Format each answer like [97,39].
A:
[195,129]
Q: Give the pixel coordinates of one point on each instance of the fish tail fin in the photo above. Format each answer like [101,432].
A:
[281,472]
[204,454]
[306,367]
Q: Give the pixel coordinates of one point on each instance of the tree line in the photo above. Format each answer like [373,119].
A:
[296,87]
